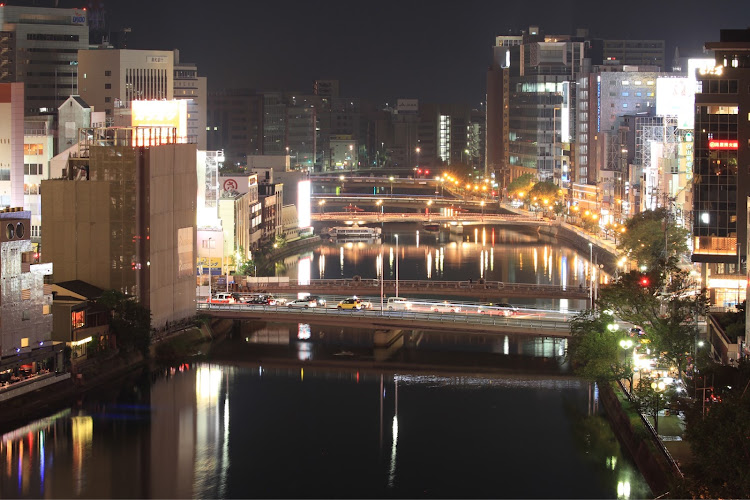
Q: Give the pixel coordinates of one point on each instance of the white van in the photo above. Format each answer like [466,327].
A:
[398,304]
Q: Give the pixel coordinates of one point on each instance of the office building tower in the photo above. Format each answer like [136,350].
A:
[111,79]
[39,47]
[188,85]
[721,180]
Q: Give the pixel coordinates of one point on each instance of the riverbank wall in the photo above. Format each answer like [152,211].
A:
[643,446]
[604,253]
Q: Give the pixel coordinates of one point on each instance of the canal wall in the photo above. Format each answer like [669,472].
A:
[603,252]
[643,447]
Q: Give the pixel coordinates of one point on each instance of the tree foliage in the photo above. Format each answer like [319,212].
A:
[521,184]
[720,443]
[130,321]
[594,348]
[546,190]
[648,235]
[666,308]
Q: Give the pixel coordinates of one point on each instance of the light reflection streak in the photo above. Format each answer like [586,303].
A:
[304,267]
[225,450]
[41,462]
[481,264]
[506,345]
[492,254]
[417,239]
[484,236]
[476,235]
[322,265]
[341,260]
[429,264]
[536,257]
[390,260]
[392,471]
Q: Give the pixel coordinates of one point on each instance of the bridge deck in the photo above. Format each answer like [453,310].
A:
[409,288]
[392,319]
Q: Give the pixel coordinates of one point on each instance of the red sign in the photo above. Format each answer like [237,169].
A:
[715,144]
[230,185]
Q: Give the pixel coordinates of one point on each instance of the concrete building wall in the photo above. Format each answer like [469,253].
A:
[171,228]
[25,309]
[110,78]
[11,144]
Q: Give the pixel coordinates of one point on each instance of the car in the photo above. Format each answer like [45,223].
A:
[398,304]
[351,303]
[320,301]
[266,300]
[222,298]
[445,307]
[499,308]
[305,303]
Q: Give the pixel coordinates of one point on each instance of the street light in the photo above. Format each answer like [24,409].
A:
[397,266]
[391,179]
[380,204]
[482,204]
[627,344]
[658,388]
[321,204]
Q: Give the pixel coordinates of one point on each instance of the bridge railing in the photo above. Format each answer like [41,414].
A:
[281,312]
[420,284]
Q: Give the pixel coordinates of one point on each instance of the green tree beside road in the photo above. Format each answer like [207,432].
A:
[652,236]
[130,321]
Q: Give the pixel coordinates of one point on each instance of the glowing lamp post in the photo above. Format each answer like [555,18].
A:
[658,388]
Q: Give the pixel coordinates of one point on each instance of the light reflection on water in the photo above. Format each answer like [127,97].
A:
[492,253]
[217,431]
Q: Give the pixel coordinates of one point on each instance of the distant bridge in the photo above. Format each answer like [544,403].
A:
[486,290]
[464,218]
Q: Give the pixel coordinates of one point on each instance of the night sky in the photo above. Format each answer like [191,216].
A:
[436,51]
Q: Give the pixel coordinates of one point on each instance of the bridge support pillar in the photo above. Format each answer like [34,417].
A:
[387,343]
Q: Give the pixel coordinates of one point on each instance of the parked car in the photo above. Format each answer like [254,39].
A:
[499,308]
[304,303]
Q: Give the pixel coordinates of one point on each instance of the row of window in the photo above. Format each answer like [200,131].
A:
[51,37]
[33,169]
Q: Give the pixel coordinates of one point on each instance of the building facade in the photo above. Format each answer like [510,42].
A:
[126,224]
[39,47]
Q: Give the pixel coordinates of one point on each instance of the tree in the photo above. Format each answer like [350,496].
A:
[130,321]
[594,347]
[720,446]
[665,302]
[521,184]
[652,236]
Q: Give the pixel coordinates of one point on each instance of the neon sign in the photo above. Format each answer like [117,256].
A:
[714,144]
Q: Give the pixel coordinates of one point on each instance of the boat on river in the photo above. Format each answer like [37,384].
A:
[430,226]
[354,232]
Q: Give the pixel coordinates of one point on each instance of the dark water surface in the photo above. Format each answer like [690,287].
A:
[256,421]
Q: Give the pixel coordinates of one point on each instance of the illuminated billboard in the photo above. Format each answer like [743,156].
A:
[722,144]
[304,190]
[676,97]
[157,119]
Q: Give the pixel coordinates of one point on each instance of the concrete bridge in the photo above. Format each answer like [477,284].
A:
[409,288]
[464,218]
[394,321]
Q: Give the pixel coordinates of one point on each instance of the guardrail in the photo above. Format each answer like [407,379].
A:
[421,284]
[560,328]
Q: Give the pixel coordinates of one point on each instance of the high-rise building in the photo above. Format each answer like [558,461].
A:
[111,79]
[235,124]
[188,85]
[11,144]
[121,218]
[39,47]
[636,52]
[721,180]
